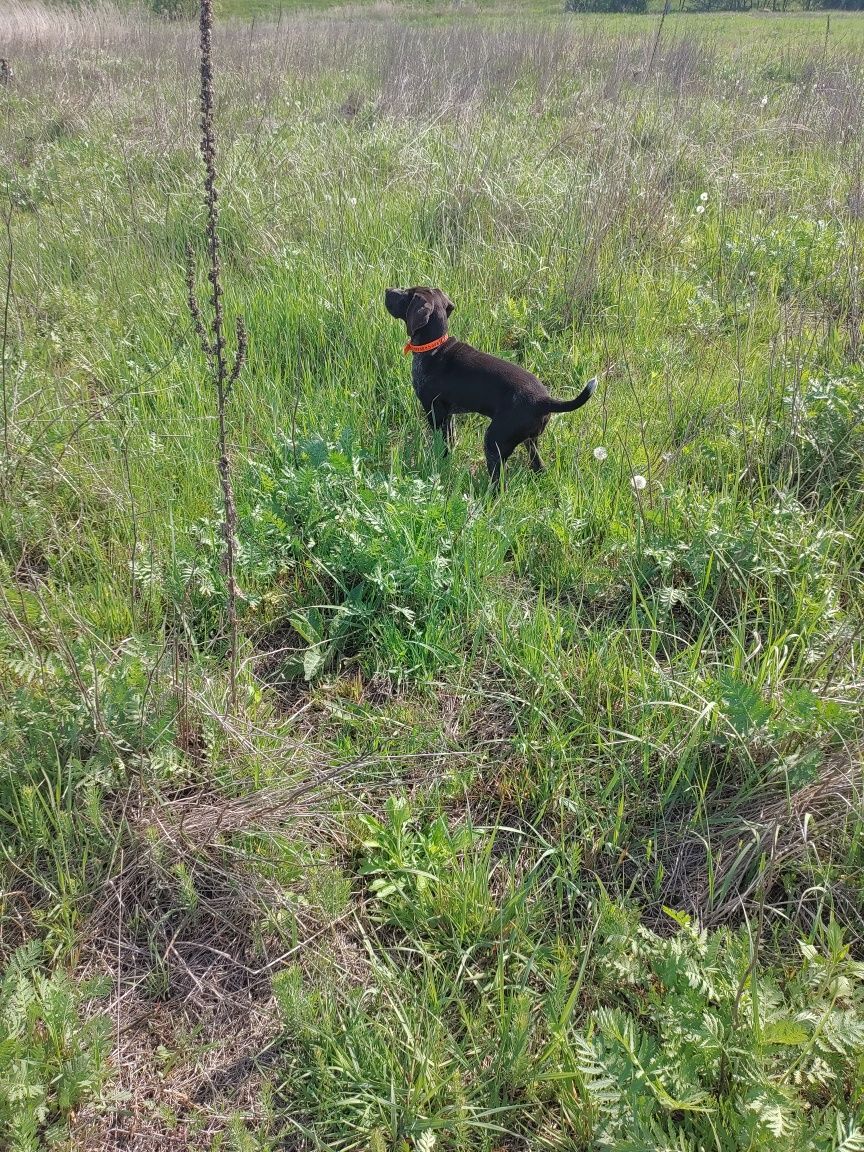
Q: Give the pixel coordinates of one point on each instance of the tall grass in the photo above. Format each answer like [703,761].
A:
[489,754]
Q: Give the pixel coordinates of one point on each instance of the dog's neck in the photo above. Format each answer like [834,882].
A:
[430,346]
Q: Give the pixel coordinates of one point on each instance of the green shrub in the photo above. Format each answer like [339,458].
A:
[357,562]
[52,1060]
[60,758]
[823,436]
[419,875]
[173,9]
[706,1050]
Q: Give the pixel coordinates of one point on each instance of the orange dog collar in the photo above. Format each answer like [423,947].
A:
[430,347]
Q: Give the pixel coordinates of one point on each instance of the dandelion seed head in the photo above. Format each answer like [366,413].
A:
[700,208]
[600,453]
[704,197]
[638,483]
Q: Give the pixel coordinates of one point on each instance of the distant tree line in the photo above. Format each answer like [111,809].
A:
[605,5]
[715,5]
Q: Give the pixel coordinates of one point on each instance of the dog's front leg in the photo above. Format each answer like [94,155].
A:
[441,420]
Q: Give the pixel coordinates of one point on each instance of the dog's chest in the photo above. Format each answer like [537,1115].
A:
[427,378]
[419,373]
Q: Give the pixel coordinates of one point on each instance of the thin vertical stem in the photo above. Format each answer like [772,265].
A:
[5,332]
[214,348]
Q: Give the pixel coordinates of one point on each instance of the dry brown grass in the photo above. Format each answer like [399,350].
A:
[746,850]
[93,54]
[189,927]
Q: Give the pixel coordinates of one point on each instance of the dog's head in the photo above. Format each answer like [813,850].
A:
[424,310]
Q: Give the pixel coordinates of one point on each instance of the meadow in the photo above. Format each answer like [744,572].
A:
[536,823]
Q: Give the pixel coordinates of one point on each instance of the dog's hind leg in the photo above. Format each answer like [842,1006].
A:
[535,460]
[498,443]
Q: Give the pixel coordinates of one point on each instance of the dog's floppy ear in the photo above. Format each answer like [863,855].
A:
[419,313]
[446,301]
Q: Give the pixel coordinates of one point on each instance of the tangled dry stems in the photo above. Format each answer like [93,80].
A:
[732,860]
[180,929]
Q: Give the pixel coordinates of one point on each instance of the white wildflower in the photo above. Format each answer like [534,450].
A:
[700,208]
[764,101]
[704,197]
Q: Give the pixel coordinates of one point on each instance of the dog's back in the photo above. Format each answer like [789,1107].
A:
[469,380]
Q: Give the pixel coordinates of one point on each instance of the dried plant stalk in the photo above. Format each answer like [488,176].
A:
[211,331]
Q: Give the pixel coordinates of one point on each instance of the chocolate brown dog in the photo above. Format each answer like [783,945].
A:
[450,377]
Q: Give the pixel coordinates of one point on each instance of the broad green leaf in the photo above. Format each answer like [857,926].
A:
[313,659]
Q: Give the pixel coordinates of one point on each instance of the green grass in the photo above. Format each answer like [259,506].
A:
[775,30]
[538,820]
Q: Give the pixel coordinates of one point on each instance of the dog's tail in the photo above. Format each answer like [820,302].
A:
[571,405]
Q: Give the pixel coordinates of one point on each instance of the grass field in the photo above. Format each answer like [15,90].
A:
[537,822]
